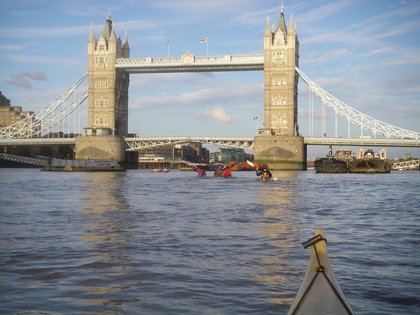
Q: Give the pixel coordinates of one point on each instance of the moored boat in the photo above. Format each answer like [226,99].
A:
[330,165]
[333,163]
[368,162]
[344,162]
[320,292]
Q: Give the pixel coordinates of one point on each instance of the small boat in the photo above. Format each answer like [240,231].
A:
[160,170]
[320,292]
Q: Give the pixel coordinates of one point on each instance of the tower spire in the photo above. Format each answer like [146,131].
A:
[292,28]
[282,23]
[267,26]
[91,34]
[107,31]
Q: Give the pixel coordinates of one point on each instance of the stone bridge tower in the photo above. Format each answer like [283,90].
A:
[108,98]
[278,144]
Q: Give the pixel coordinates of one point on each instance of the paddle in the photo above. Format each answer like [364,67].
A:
[254,166]
[250,163]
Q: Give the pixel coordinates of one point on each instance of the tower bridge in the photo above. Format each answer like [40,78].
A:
[278,144]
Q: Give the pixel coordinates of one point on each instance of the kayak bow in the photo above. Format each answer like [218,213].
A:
[320,292]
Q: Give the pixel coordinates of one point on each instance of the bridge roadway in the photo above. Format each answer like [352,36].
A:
[136,144]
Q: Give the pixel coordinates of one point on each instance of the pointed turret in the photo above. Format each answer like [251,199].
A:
[92,41]
[282,23]
[125,47]
[292,29]
[91,34]
[268,35]
[112,35]
[267,27]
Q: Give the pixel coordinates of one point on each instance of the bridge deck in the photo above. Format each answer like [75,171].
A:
[134,144]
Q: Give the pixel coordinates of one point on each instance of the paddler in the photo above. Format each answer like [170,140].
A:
[264,172]
[226,172]
[200,171]
[218,172]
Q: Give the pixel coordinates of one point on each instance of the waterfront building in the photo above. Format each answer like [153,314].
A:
[193,152]
[232,154]
[10,115]
[215,157]
[165,153]
[4,101]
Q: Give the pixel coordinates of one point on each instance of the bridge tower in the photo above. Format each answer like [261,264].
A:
[278,143]
[108,98]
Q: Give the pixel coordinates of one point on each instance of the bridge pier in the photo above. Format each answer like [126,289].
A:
[100,148]
[280,152]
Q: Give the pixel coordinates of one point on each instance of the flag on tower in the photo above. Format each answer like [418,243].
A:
[204,40]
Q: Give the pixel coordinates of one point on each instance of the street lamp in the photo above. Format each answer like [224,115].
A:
[256,127]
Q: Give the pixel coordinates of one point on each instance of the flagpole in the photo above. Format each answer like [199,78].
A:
[167,44]
[205,40]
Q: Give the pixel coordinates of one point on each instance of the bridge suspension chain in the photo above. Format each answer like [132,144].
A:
[46,118]
[356,117]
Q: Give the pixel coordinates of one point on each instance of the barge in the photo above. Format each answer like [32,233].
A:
[345,162]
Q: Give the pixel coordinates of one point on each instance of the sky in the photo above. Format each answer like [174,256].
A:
[364,52]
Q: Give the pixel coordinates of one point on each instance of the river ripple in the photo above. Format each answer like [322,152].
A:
[174,243]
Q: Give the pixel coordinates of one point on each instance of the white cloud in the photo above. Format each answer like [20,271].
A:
[44,60]
[343,82]
[11,47]
[218,114]
[377,51]
[231,93]
[51,32]
[324,11]
[23,79]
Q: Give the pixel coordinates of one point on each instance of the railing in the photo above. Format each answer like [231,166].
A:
[363,142]
[406,165]
[136,144]
[25,160]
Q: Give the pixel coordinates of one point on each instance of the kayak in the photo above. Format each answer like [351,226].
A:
[320,292]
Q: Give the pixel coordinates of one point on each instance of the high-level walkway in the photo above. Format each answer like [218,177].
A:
[191,63]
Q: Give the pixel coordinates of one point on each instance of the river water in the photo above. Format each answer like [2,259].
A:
[173,243]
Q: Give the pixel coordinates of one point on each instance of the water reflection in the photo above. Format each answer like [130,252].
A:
[108,231]
[279,225]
